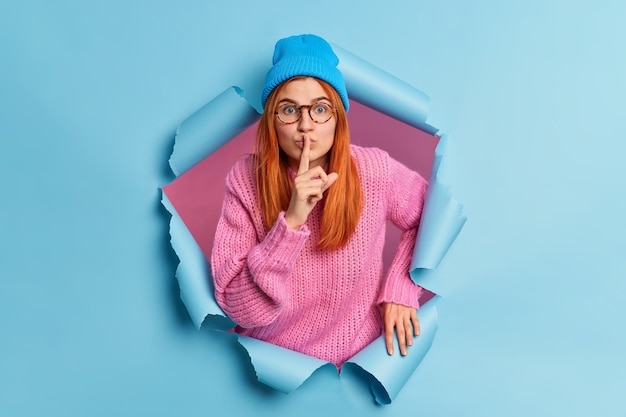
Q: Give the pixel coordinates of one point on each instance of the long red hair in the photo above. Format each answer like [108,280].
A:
[343,201]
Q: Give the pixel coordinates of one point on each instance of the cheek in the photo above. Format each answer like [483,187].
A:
[285,141]
[329,133]
[283,133]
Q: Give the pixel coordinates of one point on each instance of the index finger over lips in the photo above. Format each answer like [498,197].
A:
[304,157]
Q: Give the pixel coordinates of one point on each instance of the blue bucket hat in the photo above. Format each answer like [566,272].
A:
[304,55]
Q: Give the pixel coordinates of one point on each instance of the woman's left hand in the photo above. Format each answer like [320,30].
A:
[404,320]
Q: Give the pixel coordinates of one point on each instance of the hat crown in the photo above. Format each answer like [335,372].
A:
[301,46]
[304,55]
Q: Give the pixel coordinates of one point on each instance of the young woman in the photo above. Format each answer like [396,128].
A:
[297,258]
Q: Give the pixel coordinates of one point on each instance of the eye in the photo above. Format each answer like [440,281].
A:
[288,109]
[321,108]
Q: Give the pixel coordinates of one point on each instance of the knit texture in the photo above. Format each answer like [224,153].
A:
[278,287]
[307,55]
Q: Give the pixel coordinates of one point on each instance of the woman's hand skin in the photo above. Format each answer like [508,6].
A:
[404,320]
[308,190]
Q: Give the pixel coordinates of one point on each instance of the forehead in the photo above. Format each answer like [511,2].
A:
[302,91]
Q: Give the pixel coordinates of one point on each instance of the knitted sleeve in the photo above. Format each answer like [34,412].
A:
[251,274]
[405,198]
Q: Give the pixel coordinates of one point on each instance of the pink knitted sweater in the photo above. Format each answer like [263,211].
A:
[278,287]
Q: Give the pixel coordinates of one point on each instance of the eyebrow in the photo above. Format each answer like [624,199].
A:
[315,100]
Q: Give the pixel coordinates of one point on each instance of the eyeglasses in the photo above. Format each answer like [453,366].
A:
[319,112]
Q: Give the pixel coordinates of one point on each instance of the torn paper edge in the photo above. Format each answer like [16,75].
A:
[283,369]
[442,217]
[210,127]
[387,375]
[378,89]
[193,271]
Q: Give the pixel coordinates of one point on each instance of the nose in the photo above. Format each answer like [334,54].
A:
[305,123]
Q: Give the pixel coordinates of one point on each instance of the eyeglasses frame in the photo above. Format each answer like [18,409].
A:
[333,110]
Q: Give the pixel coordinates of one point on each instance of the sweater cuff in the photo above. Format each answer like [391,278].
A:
[401,291]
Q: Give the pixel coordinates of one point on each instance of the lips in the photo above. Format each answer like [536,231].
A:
[300,143]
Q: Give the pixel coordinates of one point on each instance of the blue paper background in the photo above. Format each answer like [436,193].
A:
[531,95]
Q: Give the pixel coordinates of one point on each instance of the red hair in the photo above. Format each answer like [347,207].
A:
[343,201]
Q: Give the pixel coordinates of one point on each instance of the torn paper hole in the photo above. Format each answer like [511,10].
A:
[207,145]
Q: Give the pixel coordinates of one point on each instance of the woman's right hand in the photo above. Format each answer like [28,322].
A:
[308,189]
